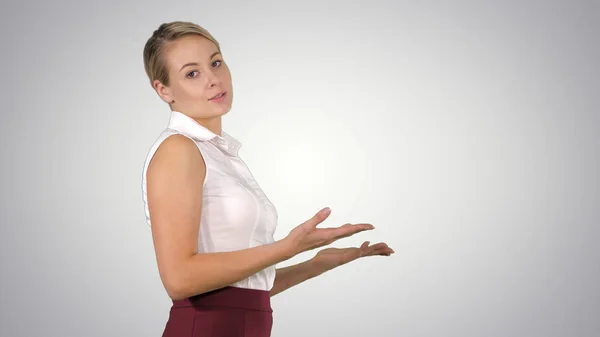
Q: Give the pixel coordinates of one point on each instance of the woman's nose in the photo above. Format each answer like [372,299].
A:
[213,79]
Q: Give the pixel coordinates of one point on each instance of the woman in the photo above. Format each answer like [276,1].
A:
[212,225]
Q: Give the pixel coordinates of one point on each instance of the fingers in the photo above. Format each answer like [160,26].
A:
[318,218]
[380,248]
[330,235]
[377,246]
[349,230]
[363,248]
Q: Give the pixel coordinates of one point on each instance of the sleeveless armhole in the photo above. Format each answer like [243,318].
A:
[152,152]
[199,152]
[173,132]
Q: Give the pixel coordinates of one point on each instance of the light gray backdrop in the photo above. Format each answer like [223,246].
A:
[467,132]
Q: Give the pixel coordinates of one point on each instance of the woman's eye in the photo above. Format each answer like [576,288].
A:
[217,61]
[191,73]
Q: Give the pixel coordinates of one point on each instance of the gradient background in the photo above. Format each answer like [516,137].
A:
[467,132]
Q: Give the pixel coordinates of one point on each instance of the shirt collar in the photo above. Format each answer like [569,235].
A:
[189,127]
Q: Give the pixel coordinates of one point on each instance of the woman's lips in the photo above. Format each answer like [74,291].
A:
[220,97]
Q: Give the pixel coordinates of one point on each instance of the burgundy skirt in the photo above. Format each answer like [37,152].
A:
[226,312]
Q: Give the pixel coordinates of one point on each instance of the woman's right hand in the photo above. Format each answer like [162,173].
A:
[307,236]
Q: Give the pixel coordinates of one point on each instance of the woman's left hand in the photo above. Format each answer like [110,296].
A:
[330,258]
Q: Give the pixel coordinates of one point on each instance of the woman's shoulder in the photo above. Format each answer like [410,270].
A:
[171,140]
[173,149]
[176,156]
[176,147]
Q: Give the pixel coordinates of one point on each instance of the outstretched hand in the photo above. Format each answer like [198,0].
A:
[307,236]
[330,258]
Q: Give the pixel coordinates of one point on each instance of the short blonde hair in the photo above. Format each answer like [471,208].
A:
[154,62]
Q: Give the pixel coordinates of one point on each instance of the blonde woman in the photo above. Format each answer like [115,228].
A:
[212,225]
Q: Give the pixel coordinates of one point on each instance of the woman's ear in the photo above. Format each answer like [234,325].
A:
[163,92]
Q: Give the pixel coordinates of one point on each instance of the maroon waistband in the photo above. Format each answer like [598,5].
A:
[234,297]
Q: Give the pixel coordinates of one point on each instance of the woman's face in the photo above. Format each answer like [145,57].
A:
[197,73]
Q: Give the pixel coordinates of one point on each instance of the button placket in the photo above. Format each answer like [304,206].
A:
[268,209]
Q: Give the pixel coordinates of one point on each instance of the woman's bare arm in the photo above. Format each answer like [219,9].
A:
[174,183]
[293,275]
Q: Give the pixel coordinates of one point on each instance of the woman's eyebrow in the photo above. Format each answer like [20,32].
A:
[195,63]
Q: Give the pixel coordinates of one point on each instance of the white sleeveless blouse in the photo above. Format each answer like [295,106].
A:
[236,213]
